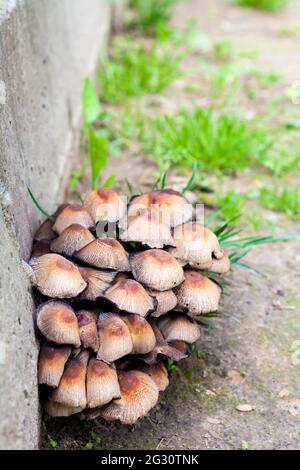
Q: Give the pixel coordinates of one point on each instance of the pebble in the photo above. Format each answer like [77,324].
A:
[244,407]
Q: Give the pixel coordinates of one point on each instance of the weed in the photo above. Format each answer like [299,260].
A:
[286,200]
[231,204]
[245,445]
[224,50]
[90,102]
[53,443]
[269,5]
[171,366]
[293,30]
[223,142]
[98,154]
[135,70]
[151,13]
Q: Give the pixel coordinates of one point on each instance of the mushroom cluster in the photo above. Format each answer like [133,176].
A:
[114,306]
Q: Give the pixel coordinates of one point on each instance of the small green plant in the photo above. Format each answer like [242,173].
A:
[286,200]
[171,366]
[98,154]
[90,102]
[245,445]
[151,13]
[224,50]
[135,70]
[223,142]
[268,5]
[53,443]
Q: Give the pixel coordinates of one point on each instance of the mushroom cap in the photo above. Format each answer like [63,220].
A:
[180,345]
[195,245]
[98,281]
[177,326]
[105,253]
[45,232]
[142,335]
[57,321]
[173,206]
[71,391]
[72,214]
[158,372]
[221,265]
[198,293]
[130,296]
[52,360]
[166,301]
[87,323]
[139,393]
[40,248]
[72,239]
[115,338]
[56,410]
[55,276]
[102,383]
[149,228]
[156,269]
[104,204]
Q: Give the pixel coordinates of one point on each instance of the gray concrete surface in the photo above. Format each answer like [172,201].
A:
[46,48]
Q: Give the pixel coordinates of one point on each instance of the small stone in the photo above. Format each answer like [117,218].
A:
[280,292]
[244,407]
[276,303]
[284,393]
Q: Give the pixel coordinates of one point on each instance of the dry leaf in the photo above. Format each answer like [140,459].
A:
[284,393]
[244,407]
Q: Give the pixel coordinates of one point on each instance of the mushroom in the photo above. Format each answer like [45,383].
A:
[161,347]
[72,239]
[114,336]
[52,360]
[98,282]
[221,265]
[173,206]
[195,245]
[147,227]
[40,248]
[130,296]
[156,269]
[87,323]
[57,410]
[72,214]
[142,335]
[45,232]
[177,326]
[198,293]
[180,345]
[105,253]
[139,393]
[71,391]
[102,383]
[166,301]
[55,276]
[158,372]
[57,321]
[104,204]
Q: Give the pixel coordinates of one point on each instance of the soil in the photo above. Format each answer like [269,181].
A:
[250,355]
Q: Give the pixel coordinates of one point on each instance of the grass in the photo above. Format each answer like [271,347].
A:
[135,70]
[286,200]
[224,142]
[149,14]
[268,5]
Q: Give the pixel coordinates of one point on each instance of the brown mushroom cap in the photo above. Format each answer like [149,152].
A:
[57,321]
[102,383]
[180,345]
[115,338]
[177,326]
[173,206]
[196,245]
[166,301]
[52,360]
[149,228]
[98,282]
[130,296]
[87,323]
[104,204]
[72,239]
[220,266]
[157,269]
[71,391]
[56,410]
[72,214]
[54,276]
[105,253]
[139,393]
[142,335]
[198,293]
[40,248]
[45,232]
[158,372]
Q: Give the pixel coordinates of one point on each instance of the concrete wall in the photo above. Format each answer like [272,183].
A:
[46,48]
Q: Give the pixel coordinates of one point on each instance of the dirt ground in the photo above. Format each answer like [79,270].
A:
[251,354]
